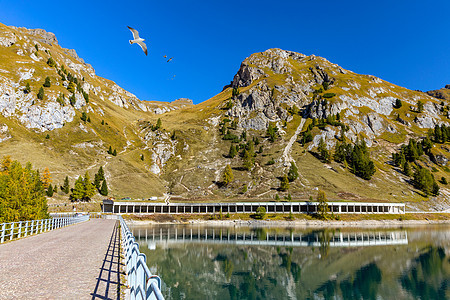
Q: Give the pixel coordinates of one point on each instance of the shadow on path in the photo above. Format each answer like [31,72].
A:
[108,281]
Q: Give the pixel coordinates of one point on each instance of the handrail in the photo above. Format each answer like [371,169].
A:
[13,230]
[143,284]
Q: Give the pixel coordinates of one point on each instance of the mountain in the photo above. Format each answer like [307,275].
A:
[291,94]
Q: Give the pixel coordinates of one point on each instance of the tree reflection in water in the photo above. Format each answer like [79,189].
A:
[428,277]
[363,285]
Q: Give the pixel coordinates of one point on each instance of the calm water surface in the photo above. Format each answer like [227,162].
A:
[201,262]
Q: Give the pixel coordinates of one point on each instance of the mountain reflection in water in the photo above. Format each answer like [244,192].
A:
[201,262]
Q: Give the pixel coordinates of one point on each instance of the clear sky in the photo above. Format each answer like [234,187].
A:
[404,42]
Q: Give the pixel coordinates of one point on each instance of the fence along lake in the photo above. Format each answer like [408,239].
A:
[206,262]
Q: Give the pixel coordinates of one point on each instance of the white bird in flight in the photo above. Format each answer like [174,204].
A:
[138,40]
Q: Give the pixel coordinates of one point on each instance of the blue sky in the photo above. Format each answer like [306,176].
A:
[404,42]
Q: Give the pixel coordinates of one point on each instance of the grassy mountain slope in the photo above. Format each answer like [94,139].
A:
[187,155]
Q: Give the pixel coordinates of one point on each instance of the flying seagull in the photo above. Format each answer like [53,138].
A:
[138,40]
[169,59]
[165,56]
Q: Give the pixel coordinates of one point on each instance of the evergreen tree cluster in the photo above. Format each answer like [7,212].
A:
[112,152]
[84,189]
[407,160]
[440,134]
[51,62]
[412,151]
[356,157]
[424,181]
[84,117]
[22,194]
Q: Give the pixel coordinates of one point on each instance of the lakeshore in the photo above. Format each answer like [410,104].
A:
[277,220]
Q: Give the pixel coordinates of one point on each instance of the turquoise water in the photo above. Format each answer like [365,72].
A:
[201,262]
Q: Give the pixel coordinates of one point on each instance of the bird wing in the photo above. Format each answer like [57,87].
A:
[143,46]
[135,33]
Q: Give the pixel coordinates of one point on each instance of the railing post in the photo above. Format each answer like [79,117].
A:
[20,230]
[12,231]
[26,227]
[3,232]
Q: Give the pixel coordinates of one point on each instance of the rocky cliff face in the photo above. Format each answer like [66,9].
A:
[273,81]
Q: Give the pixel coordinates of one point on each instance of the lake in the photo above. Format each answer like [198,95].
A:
[204,262]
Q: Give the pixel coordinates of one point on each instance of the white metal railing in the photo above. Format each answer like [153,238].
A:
[13,230]
[142,283]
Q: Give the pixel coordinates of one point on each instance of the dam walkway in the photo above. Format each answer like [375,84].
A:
[80,261]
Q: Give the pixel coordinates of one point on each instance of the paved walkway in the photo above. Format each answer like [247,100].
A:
[67,263]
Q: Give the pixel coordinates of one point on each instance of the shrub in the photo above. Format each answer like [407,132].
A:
[271,162]
[41,94]
[329,95]
[260,213]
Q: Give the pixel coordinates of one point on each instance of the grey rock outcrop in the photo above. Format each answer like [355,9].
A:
[47,117]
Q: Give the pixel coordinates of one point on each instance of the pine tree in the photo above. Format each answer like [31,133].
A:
[72,99]
[50,191]
[232,153]
[66,187]
[248,160]
[78,190]
[46,178]
[97,181]
[83,116]
[71,87]
[407,169]
[47,82]
[277,197]
[110,150]
[114,152]
[100,173]
[424,181]
[158,124]
[22,196]
[103,122]
[227,176]
[323,151]
[104,189]
[419,106]
[272,132]
[88,187]
[293,172]
[41,94]
[27,88]
[284,185]
[322,207]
